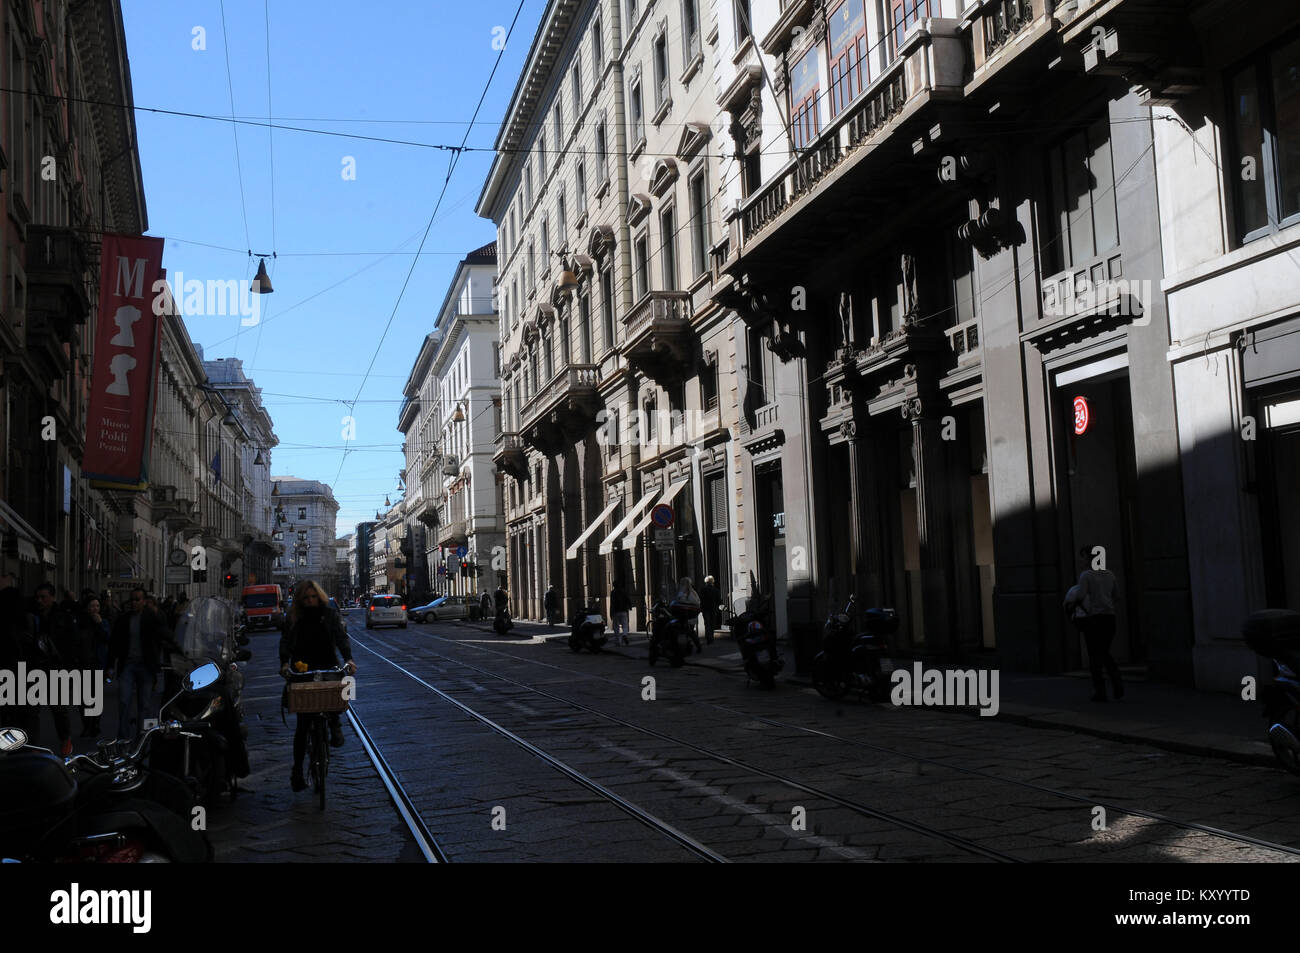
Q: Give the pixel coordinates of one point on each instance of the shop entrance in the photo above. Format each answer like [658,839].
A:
[1280,503]
[1099,494]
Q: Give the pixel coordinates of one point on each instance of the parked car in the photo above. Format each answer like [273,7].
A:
[448,607]
[418,613]
[386,609]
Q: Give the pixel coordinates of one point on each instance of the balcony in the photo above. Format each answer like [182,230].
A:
[453,533]
[509,456]
[840,179]
[428,513]
[657,335]
[56,265]
[563,409]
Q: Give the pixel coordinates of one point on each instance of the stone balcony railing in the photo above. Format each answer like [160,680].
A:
[510,455]
[657,332]
[573,384]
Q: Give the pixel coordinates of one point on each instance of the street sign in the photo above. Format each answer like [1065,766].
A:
[177,575]
[664,540]
[662,515]
[461,551]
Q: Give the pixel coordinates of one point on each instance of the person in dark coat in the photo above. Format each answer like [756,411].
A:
[620,604]
[134,652]
[56,639]
[551,602]
[94,633]
[315,636]
[710,602]
[17,644]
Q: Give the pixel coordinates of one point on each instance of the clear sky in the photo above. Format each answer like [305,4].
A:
[395,69]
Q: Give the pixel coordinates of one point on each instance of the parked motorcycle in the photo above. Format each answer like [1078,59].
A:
[212,755]
[106,807]
[1275,634]
[668,633]
[753,634]
[855,662]
[588,629]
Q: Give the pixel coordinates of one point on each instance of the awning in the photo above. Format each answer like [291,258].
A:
[572,551]
[607,544]
[28,539]
[630,539]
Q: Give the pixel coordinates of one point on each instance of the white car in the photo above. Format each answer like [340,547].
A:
[386,610]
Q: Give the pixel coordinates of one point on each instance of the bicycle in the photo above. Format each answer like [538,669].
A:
[314,694]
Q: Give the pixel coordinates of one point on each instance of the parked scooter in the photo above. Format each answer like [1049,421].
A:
[667,634]
[502,623]
[588,629]
[106,807]
[753,634]
[1275,634]
[215,760]
[855,662]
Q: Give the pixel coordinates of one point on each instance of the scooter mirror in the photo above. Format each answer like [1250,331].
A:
[243,655]
[205,676]
[11,739]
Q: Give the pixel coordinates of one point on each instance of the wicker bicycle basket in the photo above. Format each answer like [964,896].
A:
[310,698]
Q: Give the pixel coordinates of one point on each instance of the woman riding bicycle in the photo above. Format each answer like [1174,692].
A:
[315,636]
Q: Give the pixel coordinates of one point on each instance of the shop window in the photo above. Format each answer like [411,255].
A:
[1264,130]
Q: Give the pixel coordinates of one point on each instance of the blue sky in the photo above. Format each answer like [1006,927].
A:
[342,67]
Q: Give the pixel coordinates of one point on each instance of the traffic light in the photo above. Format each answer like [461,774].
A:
[464,567]
[229,580]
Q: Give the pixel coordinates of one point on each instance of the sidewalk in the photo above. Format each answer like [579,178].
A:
[1170,717]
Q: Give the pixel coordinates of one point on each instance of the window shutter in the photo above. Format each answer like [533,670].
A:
[718,505]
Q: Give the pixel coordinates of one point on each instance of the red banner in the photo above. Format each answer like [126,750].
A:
[128,338]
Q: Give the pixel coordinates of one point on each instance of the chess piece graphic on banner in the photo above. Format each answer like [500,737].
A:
[125,317]
[118,367]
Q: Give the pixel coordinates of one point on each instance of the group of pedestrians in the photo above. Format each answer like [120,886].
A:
[707,602]
[89,634]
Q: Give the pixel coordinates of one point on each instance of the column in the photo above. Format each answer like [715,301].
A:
[932,525]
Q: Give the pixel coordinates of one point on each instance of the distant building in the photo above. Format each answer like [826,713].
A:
[308,533]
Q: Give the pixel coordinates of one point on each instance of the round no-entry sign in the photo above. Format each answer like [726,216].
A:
[662,515]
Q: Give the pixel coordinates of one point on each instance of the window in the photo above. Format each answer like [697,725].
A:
[661,70]
[847,38]
[709,386]
[532,274]
[761,370]
[699,199]
[602,164]
[562,225]
[1081,178]
[669,229]
[962,257]
[514,301]
[528,184]
[751,178]
[546,246]
[565,340]
[1265,132]
[580,183]
[631,15]
[557,115]
[541,161]
[576,84]
[716,550]
[651,408]
[743,22]
[302,515]
[496,359]
[597,50]
[548,357]
[638,118]
[584,321]
[804,124]
[641,264]
[903,14]
[607,303]
[690,29]
[17,111]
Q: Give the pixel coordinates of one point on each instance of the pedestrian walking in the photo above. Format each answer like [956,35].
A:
[1091,604]
[17,644]
[56,642]
[620,605]
[551,602]
[710,607]
[93,634]
[134,654]
[485,605]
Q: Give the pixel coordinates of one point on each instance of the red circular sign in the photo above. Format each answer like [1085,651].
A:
[1081,417]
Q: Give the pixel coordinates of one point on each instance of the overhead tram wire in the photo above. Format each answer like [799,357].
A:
[451,168]
[270,131]
[234,129]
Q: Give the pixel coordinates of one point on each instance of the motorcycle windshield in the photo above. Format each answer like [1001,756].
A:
[202,632]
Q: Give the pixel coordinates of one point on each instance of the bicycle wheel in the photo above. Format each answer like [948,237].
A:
[319,759]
